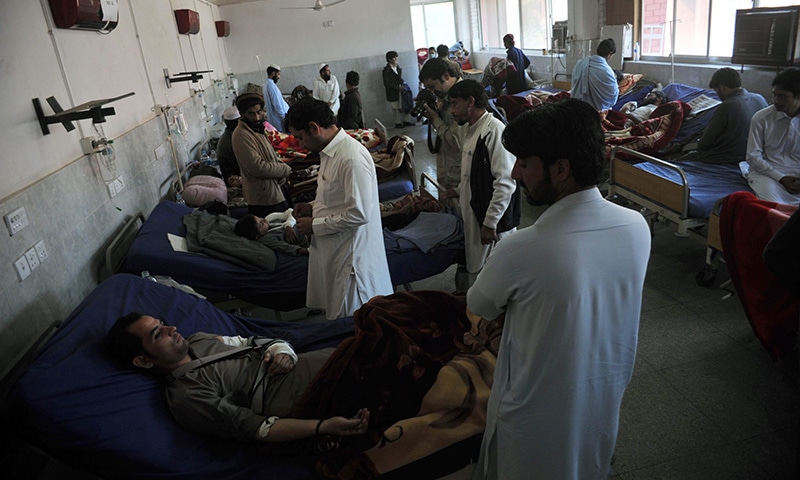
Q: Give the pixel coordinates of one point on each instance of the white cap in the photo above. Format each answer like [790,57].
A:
[272,65]
[230,113]
[322,65]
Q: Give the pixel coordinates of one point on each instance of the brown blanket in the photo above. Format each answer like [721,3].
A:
[424,377]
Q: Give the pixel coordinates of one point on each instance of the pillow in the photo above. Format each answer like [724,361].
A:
[201,189]
[628,81]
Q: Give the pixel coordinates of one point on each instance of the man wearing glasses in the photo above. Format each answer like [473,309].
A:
[263,174]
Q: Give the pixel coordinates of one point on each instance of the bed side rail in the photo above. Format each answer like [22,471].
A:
[426,177]
[664,191]
[11,374]
[117,250]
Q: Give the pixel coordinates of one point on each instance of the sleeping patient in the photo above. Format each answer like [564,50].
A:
[276,231]
[638,113]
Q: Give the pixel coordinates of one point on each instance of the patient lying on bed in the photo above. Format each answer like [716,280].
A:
[244,393]
[276,230]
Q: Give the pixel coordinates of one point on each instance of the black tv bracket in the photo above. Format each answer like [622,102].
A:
[92,109]
[193,77]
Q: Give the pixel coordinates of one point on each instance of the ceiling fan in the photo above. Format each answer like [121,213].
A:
[318,5]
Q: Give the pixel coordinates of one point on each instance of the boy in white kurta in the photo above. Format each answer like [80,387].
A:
[571,290]
[487,195]
[347,259]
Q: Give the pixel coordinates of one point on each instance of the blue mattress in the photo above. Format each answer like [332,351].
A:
[707,183]
[396,187]
[78,405]
[283,288]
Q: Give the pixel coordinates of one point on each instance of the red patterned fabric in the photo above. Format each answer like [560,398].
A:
[424,377]
[746,226]
[649,136]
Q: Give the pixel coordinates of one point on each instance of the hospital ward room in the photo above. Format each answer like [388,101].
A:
[400,239]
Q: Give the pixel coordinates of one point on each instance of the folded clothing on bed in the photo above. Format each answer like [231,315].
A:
[426,232]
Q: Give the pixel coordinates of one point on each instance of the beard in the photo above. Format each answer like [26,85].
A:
[257,126]
[544,193]
[275,79]
[326,76]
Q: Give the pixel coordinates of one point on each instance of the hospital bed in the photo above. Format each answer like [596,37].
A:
[72,402]
[282,289]
[682,194]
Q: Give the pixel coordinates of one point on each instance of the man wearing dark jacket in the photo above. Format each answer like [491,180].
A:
[393,83]
[515,82]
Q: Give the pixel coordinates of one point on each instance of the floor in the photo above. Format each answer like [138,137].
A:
[706,401]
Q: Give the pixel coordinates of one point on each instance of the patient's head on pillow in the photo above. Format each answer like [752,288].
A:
[121,344]
[247,227]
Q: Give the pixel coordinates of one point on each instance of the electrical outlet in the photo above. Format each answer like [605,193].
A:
[16,220]
[23,270]
[327,23]
[112,188]
[33,258]
[119,183]
[41,251]
[160,151]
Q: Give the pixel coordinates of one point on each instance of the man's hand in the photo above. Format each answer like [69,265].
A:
[282,363]
[430,113]
[791,184]
[302,210]
[488,235]
[346,426]
[290,236]
[305,225]
[450,193]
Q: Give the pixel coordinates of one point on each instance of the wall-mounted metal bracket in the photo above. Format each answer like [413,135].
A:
[92,109]
[193,77]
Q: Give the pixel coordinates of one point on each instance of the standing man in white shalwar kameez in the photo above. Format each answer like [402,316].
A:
[487,195]
[571,290]
[347,259]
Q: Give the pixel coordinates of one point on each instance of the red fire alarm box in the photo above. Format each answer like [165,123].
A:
[223,28]
[188,21]
[85,14]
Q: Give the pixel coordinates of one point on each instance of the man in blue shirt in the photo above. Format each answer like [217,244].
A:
[274,103]
[593,79]
[515,82]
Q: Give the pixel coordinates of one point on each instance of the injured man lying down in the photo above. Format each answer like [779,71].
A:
[412,382]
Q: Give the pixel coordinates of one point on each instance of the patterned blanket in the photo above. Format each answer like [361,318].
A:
[424,376]
[649,136]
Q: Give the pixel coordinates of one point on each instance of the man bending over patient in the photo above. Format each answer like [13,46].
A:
[593,79]
[243,396]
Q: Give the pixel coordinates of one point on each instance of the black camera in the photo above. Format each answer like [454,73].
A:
[425,97]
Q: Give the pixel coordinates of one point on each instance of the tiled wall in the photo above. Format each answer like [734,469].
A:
[72,212]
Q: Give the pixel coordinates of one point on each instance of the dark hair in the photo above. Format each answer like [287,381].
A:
[352,78]
[390,54]
[725,76]
[443,51]
[509,37]
[470,88]
[661,95]
[271,70]
[121,344]
[569,129]
[436,68]
[247,100]
[246,227]
[788,80]
[308,110]
[606,47]
[231,124]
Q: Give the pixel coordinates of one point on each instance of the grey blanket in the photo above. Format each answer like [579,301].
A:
[213,235]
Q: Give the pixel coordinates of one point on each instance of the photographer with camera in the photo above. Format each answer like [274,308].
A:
[438,76]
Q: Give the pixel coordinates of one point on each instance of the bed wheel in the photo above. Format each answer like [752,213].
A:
[705,277]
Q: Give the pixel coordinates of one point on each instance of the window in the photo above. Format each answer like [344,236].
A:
[702,28]
[433,24]
[532,30]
